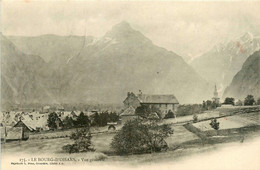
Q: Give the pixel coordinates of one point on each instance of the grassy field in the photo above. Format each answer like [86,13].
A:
[180,135]
[182,143]
[230,122]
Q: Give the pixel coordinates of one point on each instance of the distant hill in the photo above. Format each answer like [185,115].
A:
[221,63]
[23,77]
[247,80]
[52,48]
[105,69]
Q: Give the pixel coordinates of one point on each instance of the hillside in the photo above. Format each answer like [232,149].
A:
[105,69]
[52,48]
[22,76]
[247,80]
[221,63]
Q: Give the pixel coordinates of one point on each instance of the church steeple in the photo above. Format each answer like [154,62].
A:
[216,92]
[215,98]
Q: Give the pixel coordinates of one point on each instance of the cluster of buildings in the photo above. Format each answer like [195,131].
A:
[18,124]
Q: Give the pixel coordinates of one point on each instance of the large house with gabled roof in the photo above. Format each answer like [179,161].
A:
[164,102]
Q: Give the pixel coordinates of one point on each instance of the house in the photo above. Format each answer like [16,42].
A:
[163,102]
[9,133]
[26,129]
[128,114]
[46,109]
[27,125]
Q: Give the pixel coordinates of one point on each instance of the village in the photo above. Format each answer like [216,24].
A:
[191,124]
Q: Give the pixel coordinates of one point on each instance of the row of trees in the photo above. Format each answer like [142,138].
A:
[82,120]
[249,100]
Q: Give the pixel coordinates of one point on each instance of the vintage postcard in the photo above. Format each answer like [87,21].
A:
[130,84]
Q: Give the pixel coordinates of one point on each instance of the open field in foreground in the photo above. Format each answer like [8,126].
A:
[230,122]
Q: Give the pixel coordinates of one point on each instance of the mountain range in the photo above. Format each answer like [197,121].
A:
[247,80]
[220,64]
[79,69]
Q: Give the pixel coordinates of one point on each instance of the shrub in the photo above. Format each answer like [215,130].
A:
[136,137]
[195,118]
[170,114]
[214,124]
[144,111]
[191,109]
[82,142]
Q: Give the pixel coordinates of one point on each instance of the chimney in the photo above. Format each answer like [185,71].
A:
[128,94]
[140,92]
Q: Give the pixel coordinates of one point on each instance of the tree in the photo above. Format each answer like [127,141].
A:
[96,120]
[113,117]
[52,119]
[258,101]
[208,104]
[214,124]
[68,122]
[82,120]
[136,137]
[143,111]
[204,105]
[82,142]
[249,100]
[170,114]
[103,118]
[229,100]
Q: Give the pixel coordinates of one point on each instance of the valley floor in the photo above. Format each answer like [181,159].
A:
[185,141]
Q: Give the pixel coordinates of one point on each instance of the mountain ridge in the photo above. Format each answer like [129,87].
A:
[105,69]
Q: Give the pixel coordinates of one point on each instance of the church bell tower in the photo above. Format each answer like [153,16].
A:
[215,98]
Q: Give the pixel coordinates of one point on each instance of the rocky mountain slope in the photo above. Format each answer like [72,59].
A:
[105,69]
[220,64]
[23,77]
[247,80]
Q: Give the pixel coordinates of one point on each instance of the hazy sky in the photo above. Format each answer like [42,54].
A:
[184,27]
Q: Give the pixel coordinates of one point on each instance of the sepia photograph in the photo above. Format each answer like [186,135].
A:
[130,84]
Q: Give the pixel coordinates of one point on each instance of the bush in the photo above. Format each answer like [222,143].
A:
[169,115]
[191,109]
[144,111]
[195,118]
[136,137]
[214,124]
[82,142]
